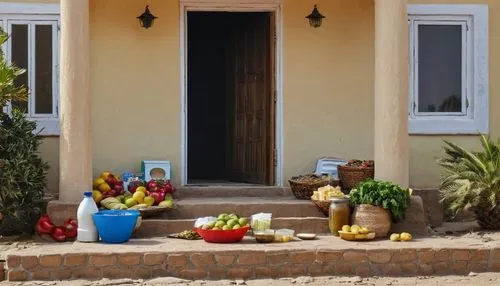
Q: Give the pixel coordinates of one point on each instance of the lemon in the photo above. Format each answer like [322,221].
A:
[405,236]
[346,228]
[364,230]
[139,197]
[394,237]
[141,189]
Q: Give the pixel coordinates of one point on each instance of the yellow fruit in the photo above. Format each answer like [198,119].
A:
[98,181]
[105,174]
[130,202]
[355,229]
[346,228]
[149,201]
[405,236]
[141,189]
[395,237]
[104,187]
[97,196]
[139,197]
[364,230]
[169,204]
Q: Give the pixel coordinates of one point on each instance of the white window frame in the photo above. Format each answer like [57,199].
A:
[35,13]
[475,76]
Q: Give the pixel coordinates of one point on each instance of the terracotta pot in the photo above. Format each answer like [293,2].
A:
[375,218]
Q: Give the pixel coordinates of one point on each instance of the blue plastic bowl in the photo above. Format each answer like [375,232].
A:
[115,226]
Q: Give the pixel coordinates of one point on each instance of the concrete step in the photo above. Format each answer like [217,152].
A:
[243,206]
[231,191]
[163,227]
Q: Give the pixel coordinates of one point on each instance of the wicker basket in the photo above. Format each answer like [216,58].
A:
[303,189]
[375,218]
[323,206]
[350,177]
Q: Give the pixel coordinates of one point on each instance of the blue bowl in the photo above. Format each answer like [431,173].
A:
[115,226]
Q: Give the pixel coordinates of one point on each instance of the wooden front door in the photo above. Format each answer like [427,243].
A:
[251,100]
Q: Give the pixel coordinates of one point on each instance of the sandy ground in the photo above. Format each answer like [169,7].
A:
[472,279]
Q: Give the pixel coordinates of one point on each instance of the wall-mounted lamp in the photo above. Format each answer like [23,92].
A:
[315,18]
[147,19]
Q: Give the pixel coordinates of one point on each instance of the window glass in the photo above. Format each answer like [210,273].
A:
[43,69]
[19,57]
[439,68]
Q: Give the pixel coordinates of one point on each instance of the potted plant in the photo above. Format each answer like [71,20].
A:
[377,204]
[472,181]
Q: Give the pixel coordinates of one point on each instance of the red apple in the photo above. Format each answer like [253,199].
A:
[156,196]
[152,184]
[119,189]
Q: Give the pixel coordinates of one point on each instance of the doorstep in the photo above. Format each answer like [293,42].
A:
[157,257]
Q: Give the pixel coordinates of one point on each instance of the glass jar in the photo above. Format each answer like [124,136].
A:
[338,214]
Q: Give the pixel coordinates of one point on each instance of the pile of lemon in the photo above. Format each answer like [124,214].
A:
[355,229]
[404,236]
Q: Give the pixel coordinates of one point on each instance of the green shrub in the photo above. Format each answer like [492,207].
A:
[23,173]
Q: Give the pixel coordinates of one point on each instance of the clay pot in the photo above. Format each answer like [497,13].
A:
[375,218]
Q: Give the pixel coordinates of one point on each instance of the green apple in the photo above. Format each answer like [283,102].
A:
[243,221]
[236,226]
[166,204]
[226,227]
[232,222]
[220,223]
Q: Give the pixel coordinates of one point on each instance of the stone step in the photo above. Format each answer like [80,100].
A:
[231,191]
[163,227]
[243,206]
[326,256]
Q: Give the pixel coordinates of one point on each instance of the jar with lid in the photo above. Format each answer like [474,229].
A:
[338,214]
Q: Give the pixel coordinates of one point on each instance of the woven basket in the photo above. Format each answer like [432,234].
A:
[323,206]
[350,177]
[303,190]
[375,218]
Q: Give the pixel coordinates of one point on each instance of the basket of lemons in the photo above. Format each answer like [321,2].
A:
[356,232]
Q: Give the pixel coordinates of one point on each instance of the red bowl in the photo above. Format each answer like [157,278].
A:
[222,236]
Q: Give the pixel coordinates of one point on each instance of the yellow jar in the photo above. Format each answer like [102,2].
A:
[338,215]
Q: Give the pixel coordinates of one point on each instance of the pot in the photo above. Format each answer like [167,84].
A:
[375,218]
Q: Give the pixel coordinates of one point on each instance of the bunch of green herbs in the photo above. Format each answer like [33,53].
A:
[382,194]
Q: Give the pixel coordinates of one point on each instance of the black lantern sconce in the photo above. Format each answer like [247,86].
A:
[315,18]
[147,19]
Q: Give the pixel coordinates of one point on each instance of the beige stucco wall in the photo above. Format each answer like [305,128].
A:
[327,78]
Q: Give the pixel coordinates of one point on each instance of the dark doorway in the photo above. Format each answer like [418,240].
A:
[230,98]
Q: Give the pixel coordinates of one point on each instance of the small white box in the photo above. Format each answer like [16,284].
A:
[156,170]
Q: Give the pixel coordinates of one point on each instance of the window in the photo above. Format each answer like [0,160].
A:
[448,85]
[34,46]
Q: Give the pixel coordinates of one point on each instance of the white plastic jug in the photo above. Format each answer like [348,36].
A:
[87,232]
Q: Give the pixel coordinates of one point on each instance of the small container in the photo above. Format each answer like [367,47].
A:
[284,235]
[87,231]
[264,236]
[338,215]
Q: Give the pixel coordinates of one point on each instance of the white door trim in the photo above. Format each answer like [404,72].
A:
[274,6]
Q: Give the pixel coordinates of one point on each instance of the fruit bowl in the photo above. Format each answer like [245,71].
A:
[355,236]
[222,236]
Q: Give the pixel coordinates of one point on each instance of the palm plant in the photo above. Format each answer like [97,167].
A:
[472,181]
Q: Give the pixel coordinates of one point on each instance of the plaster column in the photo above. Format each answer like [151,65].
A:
[391,152]
[75,153]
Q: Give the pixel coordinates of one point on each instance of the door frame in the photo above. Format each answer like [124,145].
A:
[273,6]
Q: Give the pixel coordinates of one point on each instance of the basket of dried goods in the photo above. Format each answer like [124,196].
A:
[321,197]
[304,186]
[355,172]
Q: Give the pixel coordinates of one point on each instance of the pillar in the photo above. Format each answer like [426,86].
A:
[391,152]
[75,153]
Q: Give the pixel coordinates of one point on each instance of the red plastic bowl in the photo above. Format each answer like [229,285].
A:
[222,236]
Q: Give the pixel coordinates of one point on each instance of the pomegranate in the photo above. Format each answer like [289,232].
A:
[70,228]
[58,234]
[44,225]
[152,184]
[156,196]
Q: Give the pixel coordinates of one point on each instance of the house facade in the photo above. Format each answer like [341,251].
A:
[248,92]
